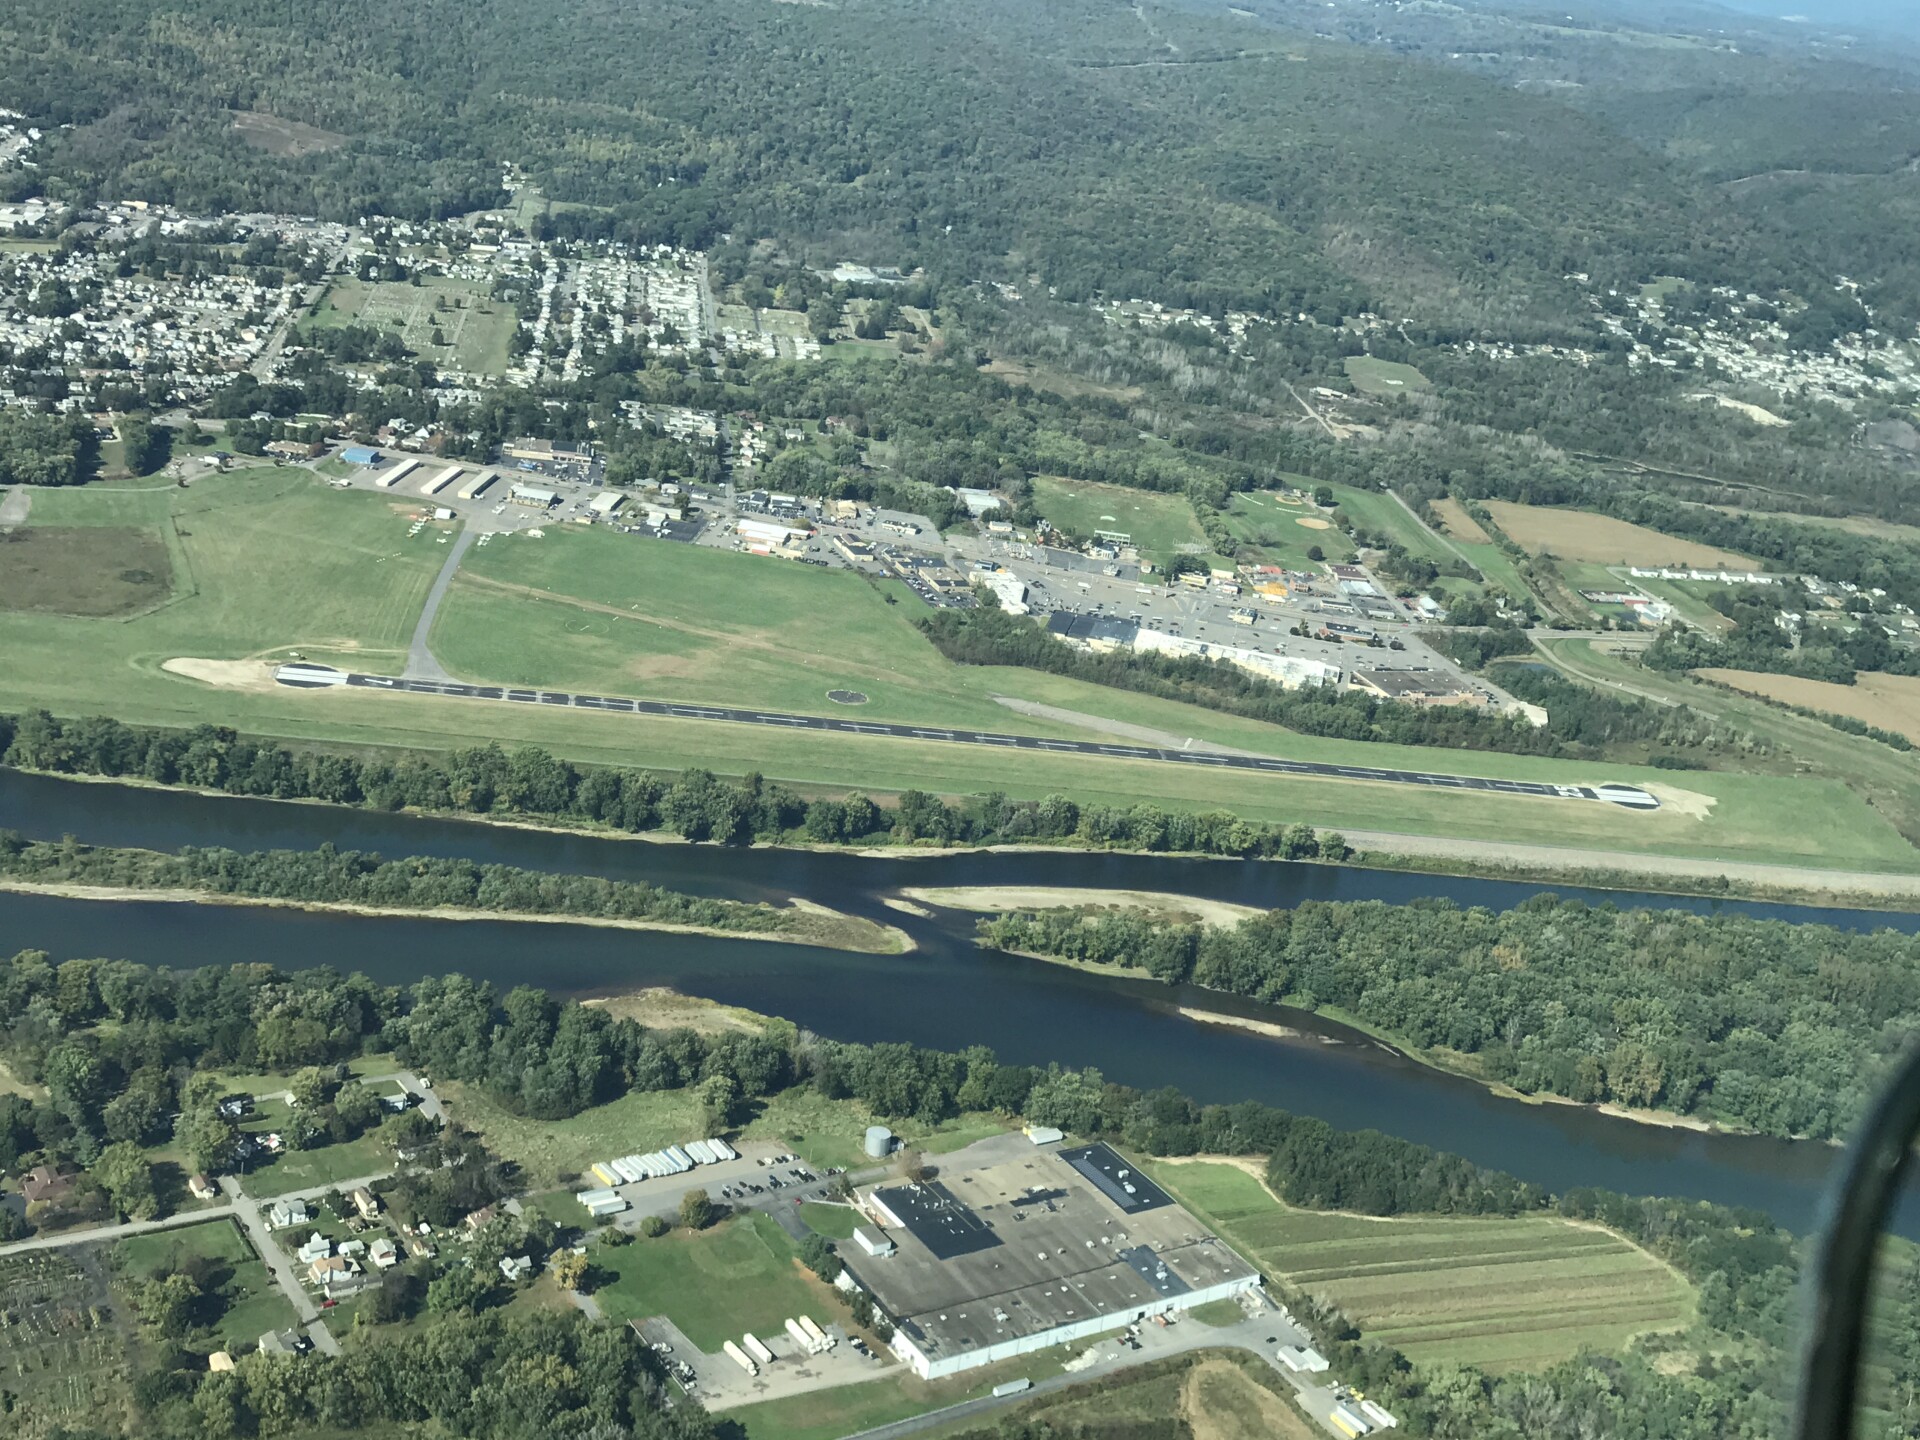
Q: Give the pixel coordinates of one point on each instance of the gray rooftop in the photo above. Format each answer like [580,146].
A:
[1057,1251]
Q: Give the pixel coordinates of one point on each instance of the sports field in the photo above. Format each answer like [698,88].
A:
[474,327]
[740,1275]
[1497,1293]
[1892,702]
[1384,377]
[1161,526]
[1262,519]
[1583,535]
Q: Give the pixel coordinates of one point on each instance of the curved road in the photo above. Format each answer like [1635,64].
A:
[312,677]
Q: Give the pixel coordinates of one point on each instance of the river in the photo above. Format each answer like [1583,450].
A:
[948,994]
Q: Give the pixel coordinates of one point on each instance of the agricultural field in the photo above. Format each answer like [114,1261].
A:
[1458,523]
[743,1274]
[474,327]
[1384,377]
[549,1150]
[249,1303]
[1283,532]
[65,1344]
[1891,702]
[1582,535]
[1502,1294]
[90,570]
[1161,526]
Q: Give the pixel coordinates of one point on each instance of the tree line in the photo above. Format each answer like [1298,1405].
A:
[1760,1024]
[487,780]
[328,876]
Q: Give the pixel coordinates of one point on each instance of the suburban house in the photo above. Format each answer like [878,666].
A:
[364,1201]
[330,1270]
[318,1247]
[287,1212]
[43,1185]
[201,1188]
[384,1253]
[481,1218]
[283,1342]
[518,1268]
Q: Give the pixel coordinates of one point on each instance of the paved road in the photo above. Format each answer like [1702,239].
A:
[279,1264]
[420,662]
[116,1232]
[308,676]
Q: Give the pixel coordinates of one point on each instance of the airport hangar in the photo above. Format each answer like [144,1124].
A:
[1016,1256]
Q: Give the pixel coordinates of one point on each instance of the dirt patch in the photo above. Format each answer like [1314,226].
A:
[1313,522]
[1602,540]
[1891,702]
[1690,803]
[993,899]
[93,571]
[1220,1401]
[1458,523]
[1752,412]
[289,139]
[1057,382]
[661,1008]
[255,675]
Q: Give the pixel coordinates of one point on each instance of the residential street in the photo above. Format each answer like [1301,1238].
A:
[116,1232]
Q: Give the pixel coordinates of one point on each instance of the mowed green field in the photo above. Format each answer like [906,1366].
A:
[264,562]
[740,1275]
[253,1303]
[1497,1293]
[1261,518]
[546,1150]
[1384,377]
[1158,524]
[1378,513]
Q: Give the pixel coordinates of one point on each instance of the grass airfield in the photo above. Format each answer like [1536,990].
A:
[270,562]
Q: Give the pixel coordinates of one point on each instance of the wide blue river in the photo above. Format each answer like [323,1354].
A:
[948,994]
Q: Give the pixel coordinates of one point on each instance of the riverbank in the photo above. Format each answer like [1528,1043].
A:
[822,928]
[1161,905]
[1441,1062]
[1520,862]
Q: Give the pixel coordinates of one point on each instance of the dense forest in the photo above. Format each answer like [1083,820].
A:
[96,1032]
[1760,1024]
[487,780]
[1323,177]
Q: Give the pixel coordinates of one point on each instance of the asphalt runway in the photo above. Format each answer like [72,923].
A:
[312,677]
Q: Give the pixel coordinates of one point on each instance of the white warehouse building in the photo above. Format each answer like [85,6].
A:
[1048,1246]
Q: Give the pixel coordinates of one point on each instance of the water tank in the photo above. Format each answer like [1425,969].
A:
[879,1141]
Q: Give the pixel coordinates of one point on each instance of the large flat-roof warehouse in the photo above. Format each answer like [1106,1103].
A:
[1032,1249]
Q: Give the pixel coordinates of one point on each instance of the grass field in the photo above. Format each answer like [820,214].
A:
[1160,525]
[1215,1395]
[741,1275]
[92,570]
[851,1409]
[1262,519]
[829,1133]
[1583,535]
[1501,1294]
[1378,513]
[1384,377]
[1891,702]
[550,1149]
[475,327]
[251,1303]
[836,1222]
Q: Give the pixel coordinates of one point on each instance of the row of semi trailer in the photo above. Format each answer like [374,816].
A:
[674,1160]
[475,487]
[751,1353]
